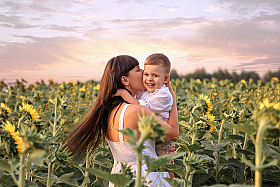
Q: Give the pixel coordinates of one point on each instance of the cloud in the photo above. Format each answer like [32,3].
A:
[249,7]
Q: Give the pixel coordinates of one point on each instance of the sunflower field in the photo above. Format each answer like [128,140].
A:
[229,135]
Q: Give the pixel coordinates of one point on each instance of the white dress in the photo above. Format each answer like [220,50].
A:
[123,153]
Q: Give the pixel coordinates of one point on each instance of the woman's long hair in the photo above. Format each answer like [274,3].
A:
[93,128]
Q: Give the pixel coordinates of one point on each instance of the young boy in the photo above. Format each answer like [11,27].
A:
[157,96]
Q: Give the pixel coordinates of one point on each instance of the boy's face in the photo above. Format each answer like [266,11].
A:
[154,77]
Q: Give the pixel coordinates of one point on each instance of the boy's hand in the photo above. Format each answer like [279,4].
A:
[119,92]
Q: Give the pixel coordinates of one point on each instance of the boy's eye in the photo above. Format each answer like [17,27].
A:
[155,75]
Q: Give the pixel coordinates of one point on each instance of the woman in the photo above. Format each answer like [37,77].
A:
[109,114]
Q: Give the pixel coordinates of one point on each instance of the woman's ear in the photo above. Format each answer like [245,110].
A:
[167,79]
[124,81]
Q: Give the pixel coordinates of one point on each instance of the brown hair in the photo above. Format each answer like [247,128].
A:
[93,127]
[159,59]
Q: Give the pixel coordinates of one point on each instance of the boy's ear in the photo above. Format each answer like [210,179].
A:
[167,79]
[124,81]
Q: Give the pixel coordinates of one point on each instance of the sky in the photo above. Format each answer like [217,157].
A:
[74,39]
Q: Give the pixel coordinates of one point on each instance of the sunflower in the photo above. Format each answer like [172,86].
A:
[211,126]
[209,105]
[244,82]
[97,87]
[15,135]
[32,112]
[9,127]
[266,104]
[18,141]
[5,107]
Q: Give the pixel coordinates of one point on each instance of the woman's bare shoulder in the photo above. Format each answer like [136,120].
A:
[137,109]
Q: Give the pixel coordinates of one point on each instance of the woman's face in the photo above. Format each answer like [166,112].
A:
[135,78]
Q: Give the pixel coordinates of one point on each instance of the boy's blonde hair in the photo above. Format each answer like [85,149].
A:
[159,59]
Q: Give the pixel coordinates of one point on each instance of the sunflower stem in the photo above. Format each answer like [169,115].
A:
[20,119]
[234,132]
[49,172]
[21,182]
[55,119]
[218,154]
[258,152]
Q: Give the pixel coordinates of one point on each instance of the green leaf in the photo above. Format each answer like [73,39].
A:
[175,182]
[242,126]
[199,178]
[249,163]
[272,163]
[68,178]
[37,156]
[246,152]
[184,147]
[216,147]
[117,179]
[153,164]
[237,167]
[5,165]
[232,137]
[194,147]
[132,134]
[177,169]
[1,173]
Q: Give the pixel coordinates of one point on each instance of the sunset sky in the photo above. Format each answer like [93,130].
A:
[73,39]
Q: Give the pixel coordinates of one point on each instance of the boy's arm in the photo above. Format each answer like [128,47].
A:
[126,96]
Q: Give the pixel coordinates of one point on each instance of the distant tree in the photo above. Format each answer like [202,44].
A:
[174,74]
[251,74]
[221,74]
[235,77]
[268,75]
[198,74]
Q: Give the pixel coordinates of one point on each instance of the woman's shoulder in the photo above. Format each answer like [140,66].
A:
[136,109]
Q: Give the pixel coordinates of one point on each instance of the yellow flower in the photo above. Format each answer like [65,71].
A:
[61,86]
[72,82]
[212,85]
[35,85]
[9,127]
[18,141]
[5,107]
[198,80]
[83,89]
[211,125]
[21,96]
[208,102]
[276,106]
[28,108]
[97,87]
[274,79]
[266,104]
[244,82]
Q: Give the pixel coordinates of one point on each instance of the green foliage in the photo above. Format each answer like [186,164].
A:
[236,142]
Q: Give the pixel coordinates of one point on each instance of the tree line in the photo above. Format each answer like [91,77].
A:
[224,74]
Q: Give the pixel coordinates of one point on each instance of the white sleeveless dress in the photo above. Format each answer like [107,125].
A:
[122,153]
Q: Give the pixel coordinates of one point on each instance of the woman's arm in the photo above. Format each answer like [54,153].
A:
[173,115]
[134,111]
